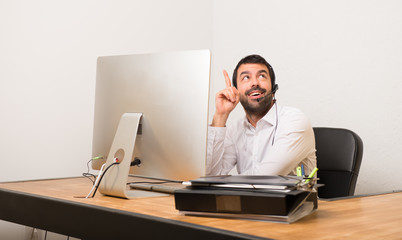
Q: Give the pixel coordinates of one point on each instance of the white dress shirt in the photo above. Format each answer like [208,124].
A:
[282,140]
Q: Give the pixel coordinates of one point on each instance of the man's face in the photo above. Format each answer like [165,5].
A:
[254,86]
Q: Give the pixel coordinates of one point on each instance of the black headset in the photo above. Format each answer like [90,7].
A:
[274,86]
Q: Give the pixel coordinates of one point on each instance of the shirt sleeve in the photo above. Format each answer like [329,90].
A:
[294,142]
[221,152]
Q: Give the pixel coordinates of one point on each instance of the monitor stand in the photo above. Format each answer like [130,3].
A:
[114,182]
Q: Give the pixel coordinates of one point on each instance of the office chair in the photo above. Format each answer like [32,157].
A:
[339,156]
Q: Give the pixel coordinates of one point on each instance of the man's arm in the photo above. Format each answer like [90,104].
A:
[221,152]
[225,101]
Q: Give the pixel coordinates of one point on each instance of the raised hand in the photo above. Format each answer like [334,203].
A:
[225,101]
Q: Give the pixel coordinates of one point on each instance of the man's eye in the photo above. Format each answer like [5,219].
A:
[262,76]
[245,78]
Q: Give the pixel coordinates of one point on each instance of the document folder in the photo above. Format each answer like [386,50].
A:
[248,179]
[281,205]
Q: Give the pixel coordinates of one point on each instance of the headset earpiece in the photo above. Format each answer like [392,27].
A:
[275,88]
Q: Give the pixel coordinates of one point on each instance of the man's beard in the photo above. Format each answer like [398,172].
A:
[254,107]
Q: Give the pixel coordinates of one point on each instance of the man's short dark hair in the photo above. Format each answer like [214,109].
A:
[254,59]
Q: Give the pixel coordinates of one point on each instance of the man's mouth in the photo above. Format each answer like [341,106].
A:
[255,94]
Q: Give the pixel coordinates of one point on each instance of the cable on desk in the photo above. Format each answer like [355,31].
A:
[89,175]
[100,176]
[103,174]
[95,184]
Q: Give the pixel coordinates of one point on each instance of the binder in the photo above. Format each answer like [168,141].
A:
[219,197]
[256,182]
[248,179]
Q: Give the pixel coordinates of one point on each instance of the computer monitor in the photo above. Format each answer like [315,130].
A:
[169,92]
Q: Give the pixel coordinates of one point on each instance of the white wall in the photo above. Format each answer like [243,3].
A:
[48,52]
[338,61]
[48,64]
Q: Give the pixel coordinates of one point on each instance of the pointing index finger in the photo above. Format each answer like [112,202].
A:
[227,79]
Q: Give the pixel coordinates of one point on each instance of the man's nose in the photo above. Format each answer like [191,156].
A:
[254,81]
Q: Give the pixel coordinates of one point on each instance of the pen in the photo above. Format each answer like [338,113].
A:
[299,171]
[311,175]
[302,169]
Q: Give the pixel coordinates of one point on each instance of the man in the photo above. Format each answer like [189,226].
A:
[270,140]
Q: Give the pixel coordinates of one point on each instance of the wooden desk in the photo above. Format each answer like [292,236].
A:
[51,205]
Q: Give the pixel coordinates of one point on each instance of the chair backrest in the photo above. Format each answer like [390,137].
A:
[339,156]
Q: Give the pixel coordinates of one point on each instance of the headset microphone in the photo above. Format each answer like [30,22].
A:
[274,89]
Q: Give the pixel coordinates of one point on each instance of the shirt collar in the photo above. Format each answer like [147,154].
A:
[269,118]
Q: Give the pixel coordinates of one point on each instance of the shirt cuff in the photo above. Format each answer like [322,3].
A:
[216,133]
